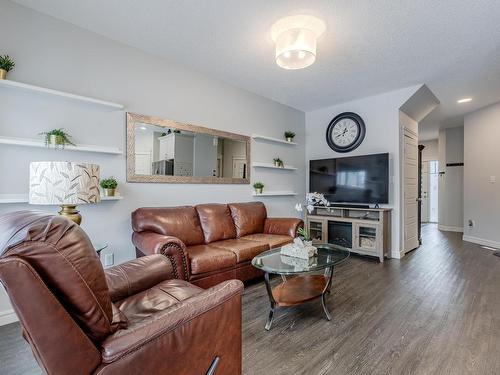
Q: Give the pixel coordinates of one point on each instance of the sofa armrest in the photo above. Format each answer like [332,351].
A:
[137,275]
[202,327]
[283,226]
[171,247]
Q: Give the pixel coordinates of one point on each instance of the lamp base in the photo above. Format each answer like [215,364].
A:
[69,211]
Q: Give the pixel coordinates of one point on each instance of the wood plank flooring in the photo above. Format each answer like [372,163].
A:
[436,311]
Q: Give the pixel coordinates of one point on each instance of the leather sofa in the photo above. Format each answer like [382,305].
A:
[134,318]
[210,243]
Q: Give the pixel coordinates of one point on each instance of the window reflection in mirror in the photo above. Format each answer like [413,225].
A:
[161,151]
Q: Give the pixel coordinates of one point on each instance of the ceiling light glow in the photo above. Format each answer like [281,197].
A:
[464,100]
[296,39]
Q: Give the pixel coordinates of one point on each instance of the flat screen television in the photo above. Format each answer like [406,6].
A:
[355,179]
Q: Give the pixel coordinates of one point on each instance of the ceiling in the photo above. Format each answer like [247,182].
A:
[370,46]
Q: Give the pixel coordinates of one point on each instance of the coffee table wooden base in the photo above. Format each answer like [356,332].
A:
[298,290]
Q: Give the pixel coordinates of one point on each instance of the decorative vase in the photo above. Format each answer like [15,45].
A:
[109,192]
[3,74]
[289,139]
[276,164]
[258,190]
[57,141]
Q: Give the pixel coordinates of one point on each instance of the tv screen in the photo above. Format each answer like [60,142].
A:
[356,179]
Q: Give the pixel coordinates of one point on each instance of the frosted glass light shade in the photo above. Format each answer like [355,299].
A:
[296,39]
[66,183]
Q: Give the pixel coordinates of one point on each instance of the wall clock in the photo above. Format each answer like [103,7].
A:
[345,132]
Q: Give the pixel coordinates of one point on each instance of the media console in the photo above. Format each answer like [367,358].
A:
[365,231]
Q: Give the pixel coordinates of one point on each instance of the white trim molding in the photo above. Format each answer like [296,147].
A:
[7,317]
[481,241]
[450,229]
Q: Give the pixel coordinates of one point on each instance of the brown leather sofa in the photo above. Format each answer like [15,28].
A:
[210,243]
[134,318]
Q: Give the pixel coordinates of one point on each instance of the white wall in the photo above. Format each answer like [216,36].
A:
[451,193]
[430,152]
[381,116]
[57,55]
[482,161]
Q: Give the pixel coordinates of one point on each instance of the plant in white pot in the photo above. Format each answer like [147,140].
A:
[289,135]
[278,162]
[109,186]
[304,236]
[6,65]
[57,138]
[258,186]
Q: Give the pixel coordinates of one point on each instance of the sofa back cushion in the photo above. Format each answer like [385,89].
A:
[249,218]
[181,222]
[216,222]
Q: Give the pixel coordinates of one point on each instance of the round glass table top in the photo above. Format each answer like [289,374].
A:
[272,261]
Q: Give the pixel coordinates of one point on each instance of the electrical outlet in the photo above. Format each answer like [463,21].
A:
[109,259]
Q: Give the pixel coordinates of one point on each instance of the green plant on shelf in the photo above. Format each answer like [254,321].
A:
[109,183]
[289,135]
[57,137]
[6,63]
[258,186]
[278,162]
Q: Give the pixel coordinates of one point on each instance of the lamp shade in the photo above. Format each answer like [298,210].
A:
[64,183]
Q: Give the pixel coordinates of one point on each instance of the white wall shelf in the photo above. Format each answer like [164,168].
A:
[272,166]
[25,86]
[258,137]
[38,143]
[275,194]
[23,198]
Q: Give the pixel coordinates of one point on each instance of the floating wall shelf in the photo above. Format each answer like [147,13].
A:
[275,194]
[23,198]
[25,86]
[270,139]
[38,143]
[272,166]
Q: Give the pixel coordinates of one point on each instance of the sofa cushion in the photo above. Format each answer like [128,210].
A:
[273,240]
[207,258]
[158,298]
[248,217]
[244,250]
[216,222]
[181,222]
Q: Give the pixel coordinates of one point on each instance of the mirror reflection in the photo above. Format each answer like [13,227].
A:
[164,151]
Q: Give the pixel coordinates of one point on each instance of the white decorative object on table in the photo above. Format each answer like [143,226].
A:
[66,184]
[315,199]
[299,249]
[299,264]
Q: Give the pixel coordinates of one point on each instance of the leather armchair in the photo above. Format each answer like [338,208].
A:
[134,318]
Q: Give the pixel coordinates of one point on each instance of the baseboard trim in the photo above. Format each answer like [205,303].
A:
[7,317]
[450,229]
[481,241]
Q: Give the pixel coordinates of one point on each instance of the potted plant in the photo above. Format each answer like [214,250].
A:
[278,162]
[57,138]
[289,135]
[6,65]
[304,236]
[109,185]
[258,186]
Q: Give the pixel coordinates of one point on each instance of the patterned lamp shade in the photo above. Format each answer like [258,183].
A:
[64,183]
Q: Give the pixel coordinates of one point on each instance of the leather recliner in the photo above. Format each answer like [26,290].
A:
[210,243]
[134,318]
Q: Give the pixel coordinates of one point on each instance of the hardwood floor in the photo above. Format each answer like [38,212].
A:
[437,311]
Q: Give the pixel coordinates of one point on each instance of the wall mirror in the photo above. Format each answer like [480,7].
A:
[168,151]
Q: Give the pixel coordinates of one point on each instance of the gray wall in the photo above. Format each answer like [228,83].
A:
[482,162]
[57,55]
[430,152]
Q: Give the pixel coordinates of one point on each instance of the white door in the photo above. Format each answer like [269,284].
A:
[410,195]
[433,191]
[425,192]
[143,163]
[239,167]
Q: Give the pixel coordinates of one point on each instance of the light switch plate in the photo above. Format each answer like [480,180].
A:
[493,179]
[108,259]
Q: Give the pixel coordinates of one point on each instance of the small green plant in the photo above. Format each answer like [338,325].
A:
[61,137]
[304,236]
[258,186]
[109,183]
[289,134]
[278,162]
[6,63]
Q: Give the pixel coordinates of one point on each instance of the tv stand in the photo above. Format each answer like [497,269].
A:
[365,231]
[347,205]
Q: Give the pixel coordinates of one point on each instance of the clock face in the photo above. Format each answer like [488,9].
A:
[345,132]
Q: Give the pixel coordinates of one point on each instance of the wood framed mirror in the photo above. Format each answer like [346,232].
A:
[167,151]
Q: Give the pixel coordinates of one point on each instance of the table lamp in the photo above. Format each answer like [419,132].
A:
[66,184]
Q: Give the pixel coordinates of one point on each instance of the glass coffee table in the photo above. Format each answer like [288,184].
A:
[303,286]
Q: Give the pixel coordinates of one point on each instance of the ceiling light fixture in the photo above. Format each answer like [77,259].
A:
[295,39]
[464,100]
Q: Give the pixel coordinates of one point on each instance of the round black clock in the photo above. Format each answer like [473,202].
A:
[345,132]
